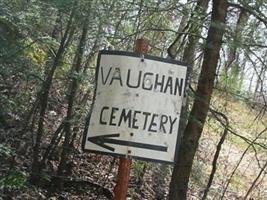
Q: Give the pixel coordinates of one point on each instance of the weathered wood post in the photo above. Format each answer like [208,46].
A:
[120,190]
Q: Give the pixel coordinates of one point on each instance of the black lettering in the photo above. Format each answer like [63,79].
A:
[116,76]
[158,83]
[146,115]
[152,123]
[172,123]
[112,116]
[125,117]
[135,120]
[163,120]
[102,75]
[144,81]
[179,86]
[168,84]
[101,115]
[128,79]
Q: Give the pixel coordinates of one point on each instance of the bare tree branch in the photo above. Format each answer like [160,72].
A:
[217,116]
[250,10]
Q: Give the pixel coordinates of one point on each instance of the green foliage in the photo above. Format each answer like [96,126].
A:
[232,81]
[15,179]
[5,151]
[140,168]
[21,58]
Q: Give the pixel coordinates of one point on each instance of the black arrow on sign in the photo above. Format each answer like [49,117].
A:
[103,139]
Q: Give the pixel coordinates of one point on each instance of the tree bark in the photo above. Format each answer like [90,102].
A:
[218,150]
[188,57]
[189,144]
[35,173]
[71,99]
[172,50]
[241,22]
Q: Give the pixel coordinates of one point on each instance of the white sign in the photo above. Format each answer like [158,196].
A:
[137,106]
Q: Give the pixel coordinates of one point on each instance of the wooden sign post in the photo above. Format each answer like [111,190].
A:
[136,109]
[121,188]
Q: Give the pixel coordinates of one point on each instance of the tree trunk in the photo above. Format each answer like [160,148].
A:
[71,99]
[188,57]
[241,22]
[259,84]
[217,116]
[189,52]
[161,170]
[173,48]
[35,174]
[232,68]
[182,168]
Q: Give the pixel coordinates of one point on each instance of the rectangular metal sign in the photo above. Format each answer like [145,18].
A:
[137,106]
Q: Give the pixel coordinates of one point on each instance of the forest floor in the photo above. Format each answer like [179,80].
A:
[93,176]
